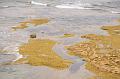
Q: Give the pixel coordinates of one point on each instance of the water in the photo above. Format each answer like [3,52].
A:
[111,6]
[66,16]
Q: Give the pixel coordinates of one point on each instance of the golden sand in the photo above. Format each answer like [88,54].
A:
[34,22]
[38,52]
[102,52]
[67,35]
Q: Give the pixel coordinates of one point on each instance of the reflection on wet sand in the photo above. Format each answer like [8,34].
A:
[34,22]
[38,52]
[102,52]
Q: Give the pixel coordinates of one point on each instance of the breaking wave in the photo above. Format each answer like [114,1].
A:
[109,7]
[66,5]
[115,12]
[75,6]
[38,3]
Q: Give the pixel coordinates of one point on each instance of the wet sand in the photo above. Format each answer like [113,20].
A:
[101,52]
[63,27]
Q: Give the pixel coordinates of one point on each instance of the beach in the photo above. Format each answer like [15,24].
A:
[55,25]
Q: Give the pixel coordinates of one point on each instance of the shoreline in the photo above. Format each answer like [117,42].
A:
[20,19]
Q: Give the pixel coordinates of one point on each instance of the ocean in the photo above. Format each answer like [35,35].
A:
[111,6]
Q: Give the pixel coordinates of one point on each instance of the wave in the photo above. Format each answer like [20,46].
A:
[67,5]
[38,3]
[78,5]
[75,6]
[115,12]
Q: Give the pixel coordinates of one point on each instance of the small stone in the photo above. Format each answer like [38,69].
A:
[42,32]
[33,36]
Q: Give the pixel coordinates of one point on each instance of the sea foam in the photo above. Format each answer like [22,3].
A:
[14,50]
[38,3]
[115,12]
[71,6]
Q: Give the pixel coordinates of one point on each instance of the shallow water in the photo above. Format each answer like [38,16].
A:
[76,20]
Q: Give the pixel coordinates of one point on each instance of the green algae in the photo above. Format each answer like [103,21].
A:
[34,22]
[100,51]
[38,52]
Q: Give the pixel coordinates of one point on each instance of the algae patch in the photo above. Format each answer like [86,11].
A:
[38,52]
[67,35]
[102,52]
[34,22]
[99,74]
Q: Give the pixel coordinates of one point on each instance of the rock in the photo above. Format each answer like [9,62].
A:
[33,36]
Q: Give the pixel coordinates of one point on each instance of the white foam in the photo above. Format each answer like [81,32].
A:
[115,12]
[18,56]
[5,6]
[73,6]
[38,3]
[13,49]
